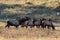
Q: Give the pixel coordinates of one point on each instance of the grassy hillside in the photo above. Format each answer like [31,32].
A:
[39,8]
[51,3]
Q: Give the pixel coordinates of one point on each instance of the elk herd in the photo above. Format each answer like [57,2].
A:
[27,21]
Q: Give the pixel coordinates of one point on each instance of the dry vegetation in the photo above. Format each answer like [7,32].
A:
[50,3]
[28,34]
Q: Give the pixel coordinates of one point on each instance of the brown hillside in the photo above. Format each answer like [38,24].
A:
[51,3]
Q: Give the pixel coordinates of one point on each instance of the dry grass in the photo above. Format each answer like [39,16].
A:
[28,34]
[51,3]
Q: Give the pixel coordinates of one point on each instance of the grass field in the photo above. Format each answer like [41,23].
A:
[28,34]
[10,9]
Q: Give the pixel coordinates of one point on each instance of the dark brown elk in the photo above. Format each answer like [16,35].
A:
[47,23]
[32,22]
[28,23]
[16,22]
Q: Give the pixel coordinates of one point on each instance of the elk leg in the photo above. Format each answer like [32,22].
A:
[6,26]
[48,26]
[53,27]
[31,26]
[38,26]
[16,26]
[26,27]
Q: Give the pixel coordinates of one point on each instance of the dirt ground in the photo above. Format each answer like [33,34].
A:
[29,34]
